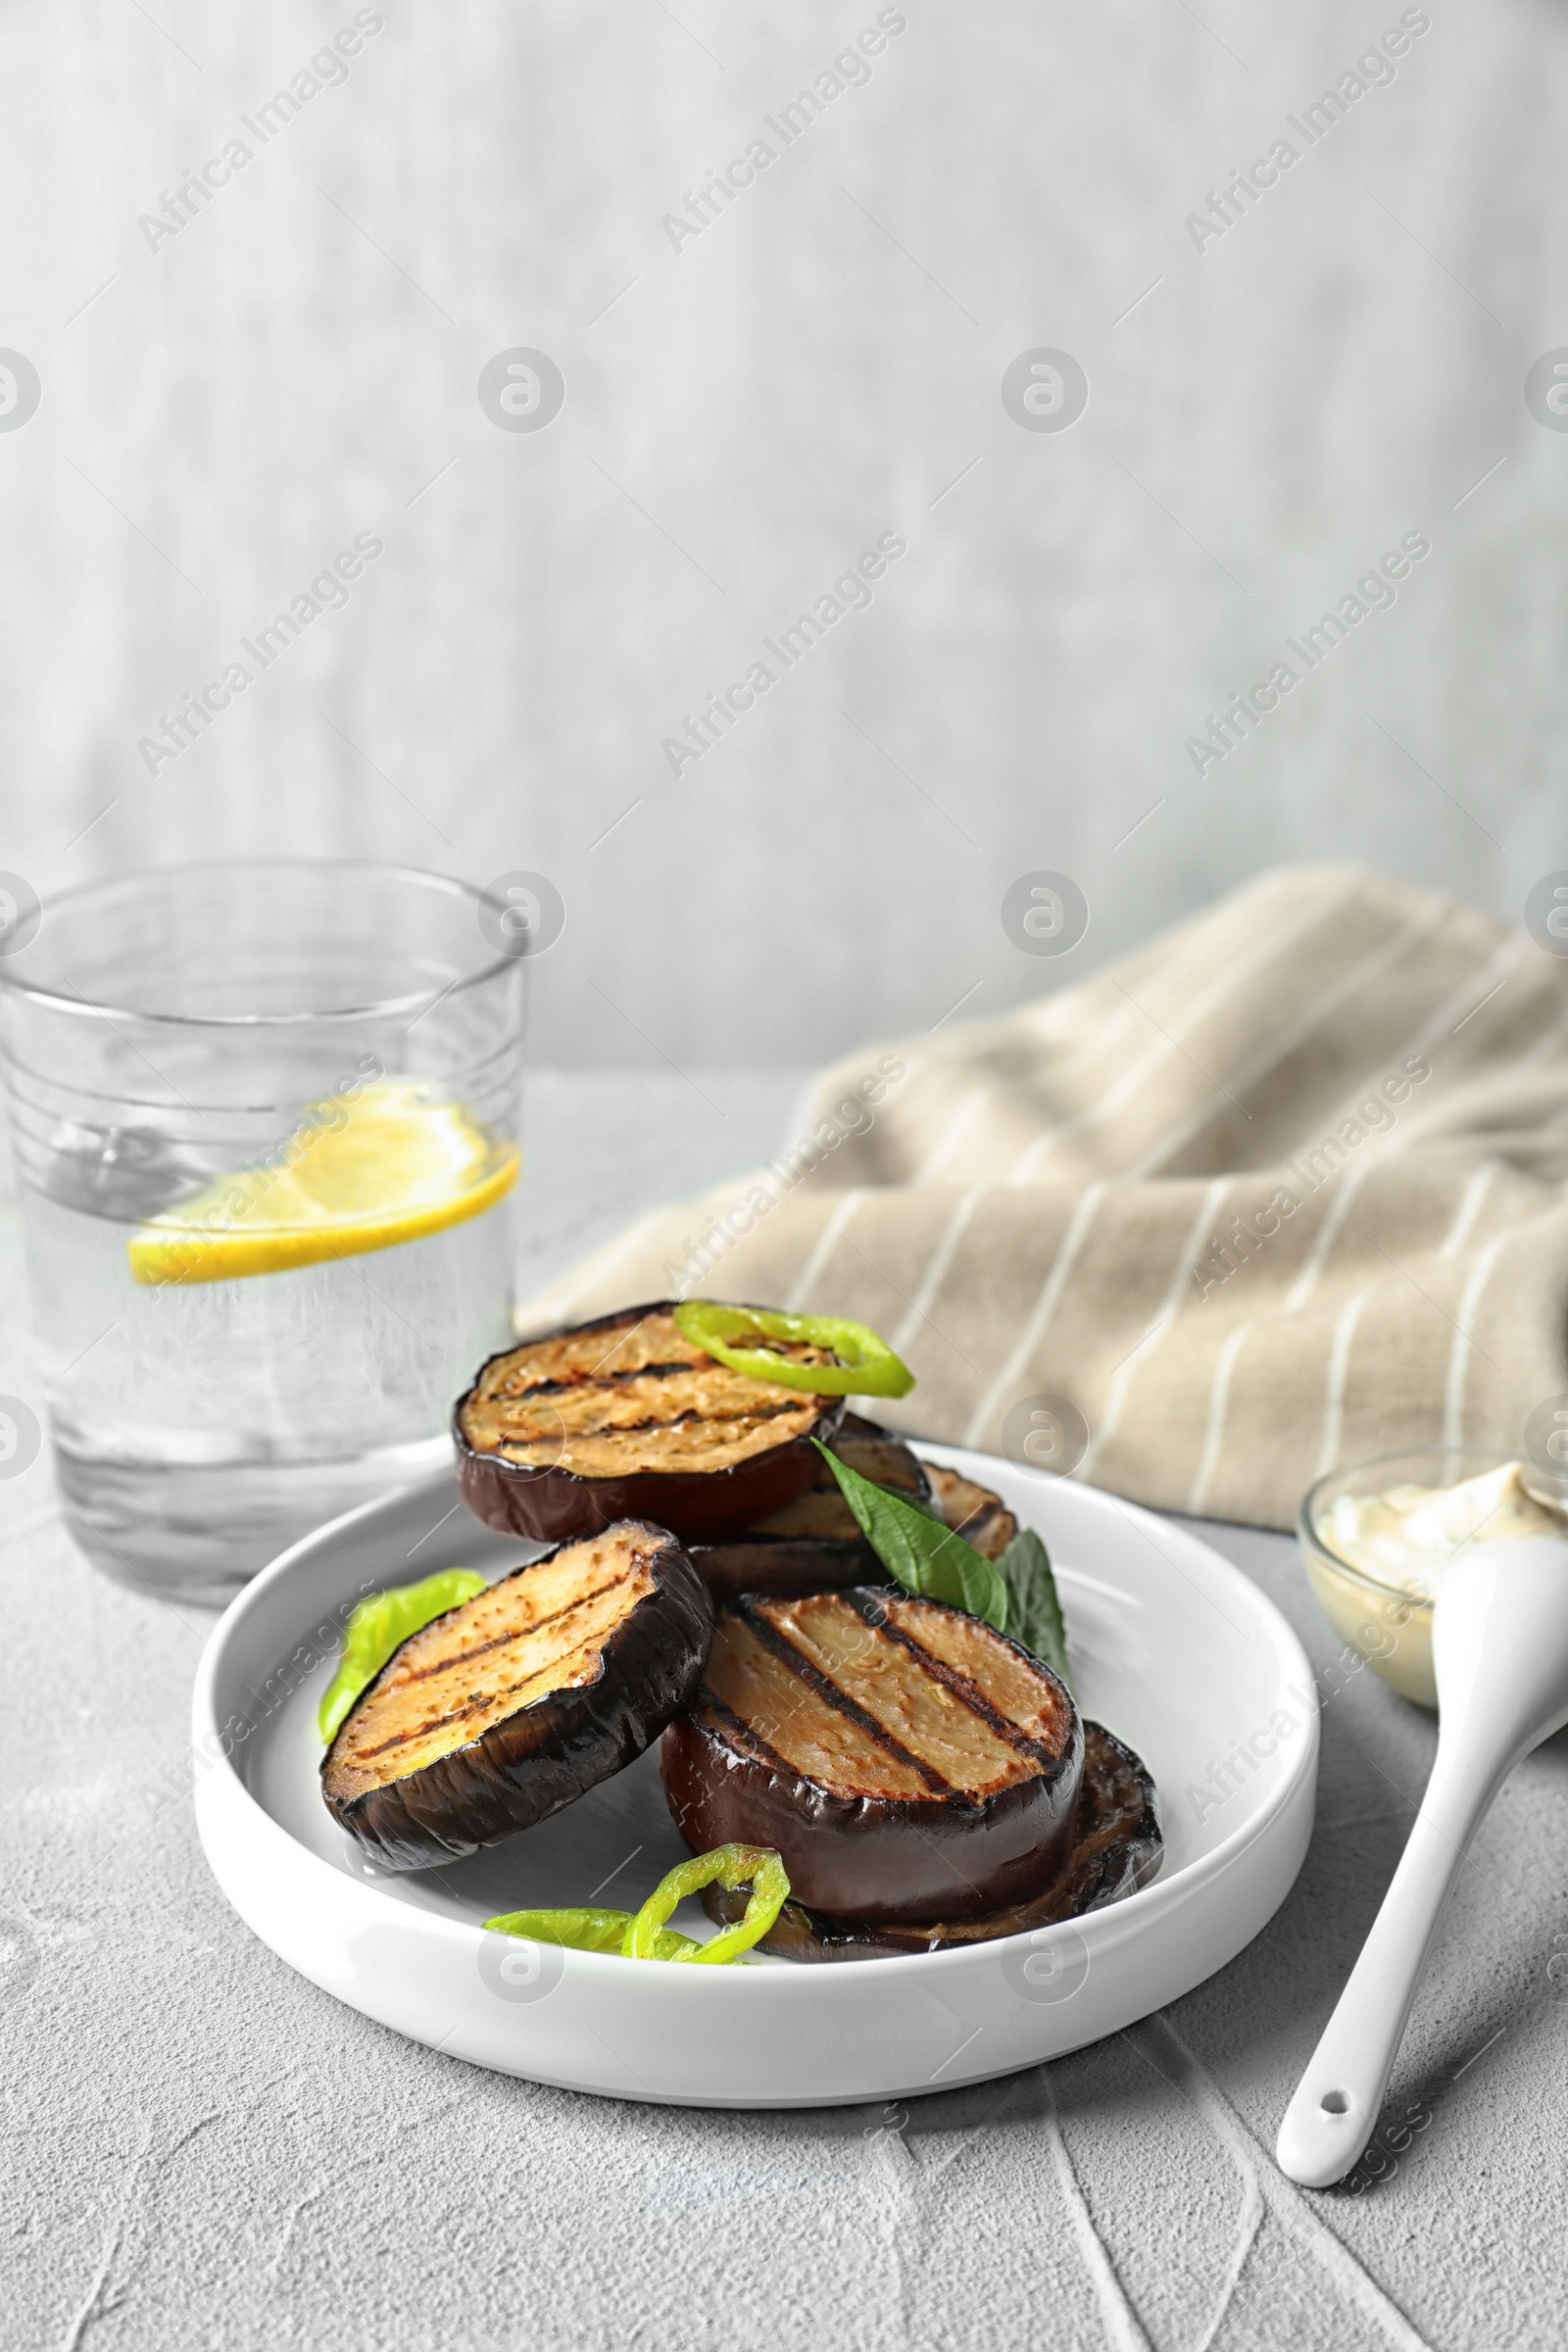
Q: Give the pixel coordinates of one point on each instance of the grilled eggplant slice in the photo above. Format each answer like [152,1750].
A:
[908,1762]
[973,1511]
[880,1455]
[814,1544]
[624,1418]
[495,1715]
[1116,1848]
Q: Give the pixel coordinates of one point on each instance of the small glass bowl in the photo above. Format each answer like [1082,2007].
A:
[1388,1627]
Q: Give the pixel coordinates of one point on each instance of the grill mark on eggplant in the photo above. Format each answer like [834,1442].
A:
[638,1429]
[460,1658]
[488,1698]
[863,1838]
[621,1419]
[608,1685]
[746,1734]
[555,1677]
[874,1612]
[983,1525]
[893,1682]
[972,1510]
[819,1743]
[591,1377]
[976,1521]
[828,1691]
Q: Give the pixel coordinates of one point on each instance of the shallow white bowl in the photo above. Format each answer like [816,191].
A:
[1172,1649]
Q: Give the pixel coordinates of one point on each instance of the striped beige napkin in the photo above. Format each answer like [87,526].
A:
[1286,1188]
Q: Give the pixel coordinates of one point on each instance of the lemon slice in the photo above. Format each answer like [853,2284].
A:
[389,1166]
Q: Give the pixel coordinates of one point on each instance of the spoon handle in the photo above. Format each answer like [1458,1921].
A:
[1330,2119]
[1499,1650]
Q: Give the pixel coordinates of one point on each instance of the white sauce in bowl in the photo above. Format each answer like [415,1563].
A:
[1407,1537]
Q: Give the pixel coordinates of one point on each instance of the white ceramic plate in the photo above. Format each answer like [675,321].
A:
[1172,1649]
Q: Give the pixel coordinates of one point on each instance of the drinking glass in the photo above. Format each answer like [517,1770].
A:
[265,1119]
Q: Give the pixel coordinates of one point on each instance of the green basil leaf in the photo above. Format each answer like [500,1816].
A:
[925,1557]
[1034,1615]
[377,1626]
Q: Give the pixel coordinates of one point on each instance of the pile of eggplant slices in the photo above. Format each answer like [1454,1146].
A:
[853,1659]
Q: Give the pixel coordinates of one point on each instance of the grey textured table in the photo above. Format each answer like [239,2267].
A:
[202,2149]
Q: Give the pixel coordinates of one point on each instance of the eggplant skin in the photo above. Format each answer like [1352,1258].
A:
[814,1544]
[1117,1848]
[874,1858]
[529,1765]
[884,1458]
[972,1511]
[546,1502]
[784,1564]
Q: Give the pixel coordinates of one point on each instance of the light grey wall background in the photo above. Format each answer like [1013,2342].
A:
[220,416]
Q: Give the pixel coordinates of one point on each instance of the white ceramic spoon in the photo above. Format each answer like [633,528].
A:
[1500,1644]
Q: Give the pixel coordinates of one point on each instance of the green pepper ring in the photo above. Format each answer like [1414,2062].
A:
[732,1866]
[367,1644]
[866,1366]
[586,1931]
